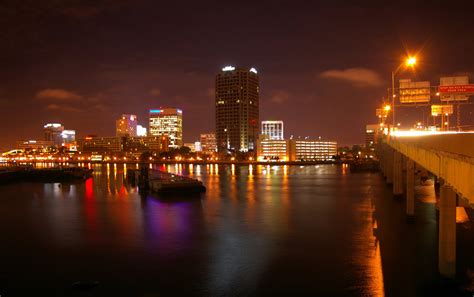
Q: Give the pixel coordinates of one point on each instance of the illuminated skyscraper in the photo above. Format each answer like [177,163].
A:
[52,132]
[126,125]
[237,111]
[68,136]
[273,129]
[141,131]
[167,121]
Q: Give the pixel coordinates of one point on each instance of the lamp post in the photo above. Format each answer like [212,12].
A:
[410,62]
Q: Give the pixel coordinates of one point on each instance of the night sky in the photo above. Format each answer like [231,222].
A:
[323,67]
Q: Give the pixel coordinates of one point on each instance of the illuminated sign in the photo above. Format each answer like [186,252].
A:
[456,89]
[179,111]
[155,110]
[414,92]
[228,68]
[253,70]
[437,110]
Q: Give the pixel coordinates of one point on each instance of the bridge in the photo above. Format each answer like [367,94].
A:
[449,156]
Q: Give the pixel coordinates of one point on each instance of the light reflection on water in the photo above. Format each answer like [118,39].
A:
[257,229]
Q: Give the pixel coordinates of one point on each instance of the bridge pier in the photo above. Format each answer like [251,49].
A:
[410,188]
[397,174]
[447,232]
[389,163]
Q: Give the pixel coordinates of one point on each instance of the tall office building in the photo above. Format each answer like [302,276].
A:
[372,133]
[167,121]
[273,129]
[68,136]
[237,111]
[141,131]
[53,132]
[126,125]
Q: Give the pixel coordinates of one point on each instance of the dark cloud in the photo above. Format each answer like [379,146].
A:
[358,77]
[155,92]
[63,108]
[279,97]
[57,95]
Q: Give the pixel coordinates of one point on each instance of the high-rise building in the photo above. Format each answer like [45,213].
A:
[273,129]
[68,136]
[52,132]
[126,125]
[237,109]
[141,131]
[167,121]
[208,143]
[371,136]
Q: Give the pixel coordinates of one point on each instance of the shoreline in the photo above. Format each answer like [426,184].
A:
[195,162]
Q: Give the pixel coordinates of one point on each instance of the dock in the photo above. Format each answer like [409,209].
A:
[48,175]
[162,182]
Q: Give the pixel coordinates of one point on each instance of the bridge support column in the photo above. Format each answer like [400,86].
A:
[410,182]
[447,232]
[397,174]
[389,167]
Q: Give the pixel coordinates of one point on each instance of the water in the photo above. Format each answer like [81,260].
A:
[258,231]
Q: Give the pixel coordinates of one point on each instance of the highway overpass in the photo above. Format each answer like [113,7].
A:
[450,157]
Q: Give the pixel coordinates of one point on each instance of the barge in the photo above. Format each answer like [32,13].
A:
[164,183]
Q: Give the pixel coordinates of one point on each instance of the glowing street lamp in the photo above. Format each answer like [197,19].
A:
[410,62]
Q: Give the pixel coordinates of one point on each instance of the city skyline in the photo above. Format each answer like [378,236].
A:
[84,78]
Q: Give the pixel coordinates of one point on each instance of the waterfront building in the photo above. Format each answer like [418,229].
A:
[237,109]
[142,144]
[315,150]
[273,129]
[68,136]
[141,131]
[52,132]
[372,133]
[100,144]
[34,144]
[126,125]
[275,150]
[208,143]
[125,144]
[295,150]
[167,121]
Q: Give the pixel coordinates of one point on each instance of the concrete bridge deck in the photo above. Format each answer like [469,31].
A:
[449,157]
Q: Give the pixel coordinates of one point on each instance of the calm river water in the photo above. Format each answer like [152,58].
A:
[257,231]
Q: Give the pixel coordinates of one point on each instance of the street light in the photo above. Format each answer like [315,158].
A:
[410,62]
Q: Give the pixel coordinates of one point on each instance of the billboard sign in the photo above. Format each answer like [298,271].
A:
[437,110]
[380,112]
[455,88]
[414,91]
